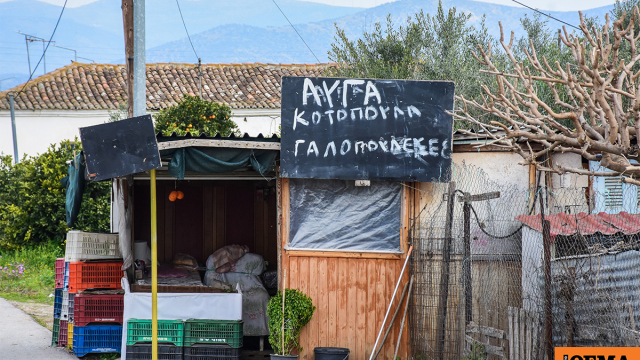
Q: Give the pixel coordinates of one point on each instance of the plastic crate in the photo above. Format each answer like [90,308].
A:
[57,304]
[169,331]
[143,352]
[83,276]
[91,246]
[59,273]
[65,284]
[97,339]
[213,332]
[55,332]
[211,352]
[62,334]
[70,336]
[97,309]
[67,306]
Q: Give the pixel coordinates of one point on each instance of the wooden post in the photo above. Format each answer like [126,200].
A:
[443,293]
[546,244]
[127,19]
[466,265]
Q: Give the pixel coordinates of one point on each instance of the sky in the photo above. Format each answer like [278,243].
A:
[551,5]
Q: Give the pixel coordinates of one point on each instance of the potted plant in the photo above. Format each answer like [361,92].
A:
[298,310]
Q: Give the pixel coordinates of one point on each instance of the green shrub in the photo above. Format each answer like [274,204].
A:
[298,311]
[194,115]
[32,200]
[29,273]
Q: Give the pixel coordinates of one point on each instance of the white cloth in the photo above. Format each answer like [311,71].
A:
[245,275]
[175,306]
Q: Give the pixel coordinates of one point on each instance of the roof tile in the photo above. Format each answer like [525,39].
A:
[103,86]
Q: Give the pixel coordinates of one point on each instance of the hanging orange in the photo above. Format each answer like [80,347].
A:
[173,196]
[180,195]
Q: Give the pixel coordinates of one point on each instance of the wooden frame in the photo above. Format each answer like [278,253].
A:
[283,227]
[235,144]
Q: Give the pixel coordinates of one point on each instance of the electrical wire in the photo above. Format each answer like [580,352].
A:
[185,29]
[294,28]
[45,50]
[547,15]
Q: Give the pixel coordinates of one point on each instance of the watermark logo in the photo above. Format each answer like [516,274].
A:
[597,353]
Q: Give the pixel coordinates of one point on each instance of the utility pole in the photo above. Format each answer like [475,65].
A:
[127,19]
[13,128]
[133,13]
[200,77]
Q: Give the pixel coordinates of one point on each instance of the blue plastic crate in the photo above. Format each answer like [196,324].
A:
[66,277]
[97,339]
[57,304]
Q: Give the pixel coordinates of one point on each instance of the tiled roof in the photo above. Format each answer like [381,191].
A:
[103,87]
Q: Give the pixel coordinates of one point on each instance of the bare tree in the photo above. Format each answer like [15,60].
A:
[596,112]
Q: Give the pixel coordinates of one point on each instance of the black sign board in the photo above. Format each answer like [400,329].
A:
[365,129]
[120,148]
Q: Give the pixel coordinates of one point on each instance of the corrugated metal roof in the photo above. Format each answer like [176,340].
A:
[585,224]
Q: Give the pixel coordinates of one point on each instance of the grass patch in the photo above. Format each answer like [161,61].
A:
[29,274]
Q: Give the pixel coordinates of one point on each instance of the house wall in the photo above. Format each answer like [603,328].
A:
[499,166]
[37,129]
[350,290]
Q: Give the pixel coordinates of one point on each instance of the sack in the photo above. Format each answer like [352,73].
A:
[184,261]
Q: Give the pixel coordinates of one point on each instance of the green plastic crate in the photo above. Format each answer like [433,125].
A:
[213,332]
[56,332]
[169,331]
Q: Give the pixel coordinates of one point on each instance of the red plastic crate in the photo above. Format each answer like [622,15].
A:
[104,275]
[59,273]
[97,309]
[62,335]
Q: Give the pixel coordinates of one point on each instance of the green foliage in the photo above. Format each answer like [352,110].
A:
[477,352]
[32,200]
[36,279]
[427,47]
[118,114]
[298,310]
[194,115]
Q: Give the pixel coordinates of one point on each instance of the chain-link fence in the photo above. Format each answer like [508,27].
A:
[491,280]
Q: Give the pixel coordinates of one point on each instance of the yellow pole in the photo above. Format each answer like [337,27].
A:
[154,269]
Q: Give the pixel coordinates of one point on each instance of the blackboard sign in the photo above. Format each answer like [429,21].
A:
[120,148]
[364,129]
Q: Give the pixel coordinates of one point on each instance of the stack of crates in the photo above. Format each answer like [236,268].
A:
[94,321]
[170,339]
[212,339]
[57,301]
[193,339]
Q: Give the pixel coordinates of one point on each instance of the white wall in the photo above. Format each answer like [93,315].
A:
[36,130]
[501,167]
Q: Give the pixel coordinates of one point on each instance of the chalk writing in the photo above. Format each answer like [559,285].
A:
[365,129]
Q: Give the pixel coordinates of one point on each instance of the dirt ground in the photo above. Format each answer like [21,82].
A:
[42,313]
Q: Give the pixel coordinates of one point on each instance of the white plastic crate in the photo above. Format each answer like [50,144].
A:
[91,246]
[65,306]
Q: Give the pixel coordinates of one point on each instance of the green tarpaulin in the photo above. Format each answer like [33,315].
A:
[75,184]
[217,160]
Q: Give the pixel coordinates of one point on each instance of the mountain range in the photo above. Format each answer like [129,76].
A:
[221,31]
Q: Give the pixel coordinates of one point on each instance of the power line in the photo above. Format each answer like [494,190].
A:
[547,15]
[185,29]
[294,28]
[45,50]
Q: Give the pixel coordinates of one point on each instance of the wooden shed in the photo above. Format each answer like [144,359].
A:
[351,289]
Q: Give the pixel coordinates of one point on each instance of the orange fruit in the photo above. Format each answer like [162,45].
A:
[173,196]
[180,195]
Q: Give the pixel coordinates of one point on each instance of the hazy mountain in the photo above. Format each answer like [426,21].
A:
[95,30]
[245,43]
[222,31]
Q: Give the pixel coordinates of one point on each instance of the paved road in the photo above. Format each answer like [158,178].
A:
[21,338]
